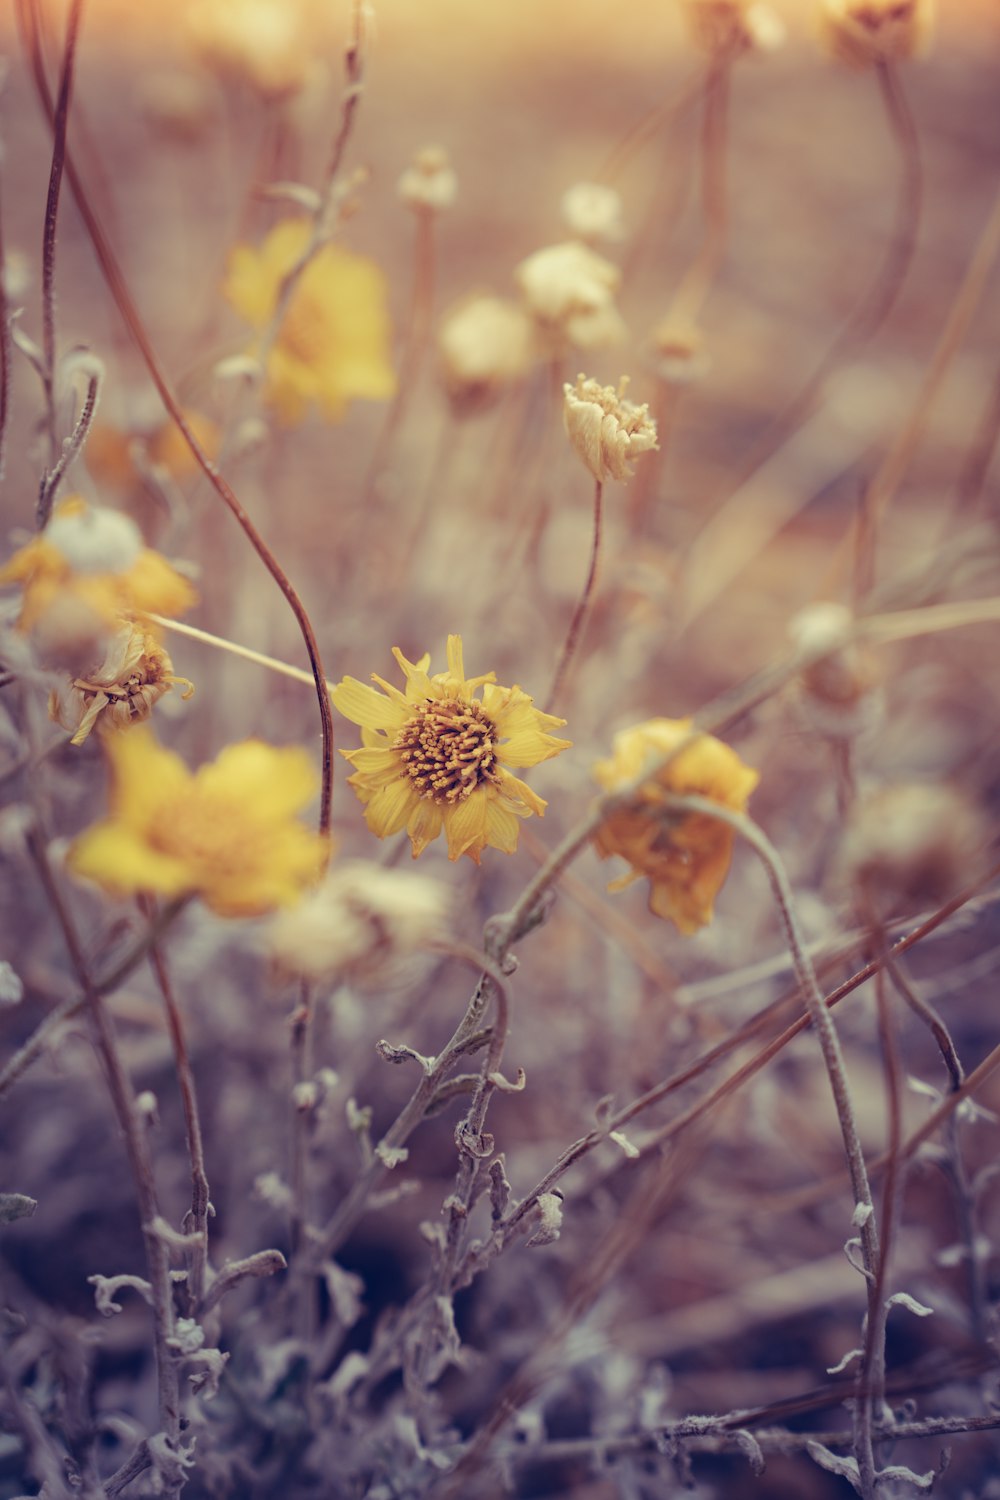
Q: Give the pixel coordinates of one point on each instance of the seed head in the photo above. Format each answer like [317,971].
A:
[607,431]
[593,212]
[429,184]
[569,291]
[485,343]
[864,33]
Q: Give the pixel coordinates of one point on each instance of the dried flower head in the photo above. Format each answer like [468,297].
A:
[135,674]
[570,291]
[361,925]
[435,757]
[726,29]
[607,431]
[685,857]
[97,555]
[333,343]
[429,184]
[263,44]
[485,344]
[227,832]
[593,211]
[864,33]
[913,845]
[836,685]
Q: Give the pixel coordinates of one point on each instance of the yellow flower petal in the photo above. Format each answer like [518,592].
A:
[390,807]
[363,705]
[465,827]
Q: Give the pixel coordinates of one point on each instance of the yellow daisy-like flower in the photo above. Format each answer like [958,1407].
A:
[685,858]
[435,756]
[226,832]
[333,344]
[97,556]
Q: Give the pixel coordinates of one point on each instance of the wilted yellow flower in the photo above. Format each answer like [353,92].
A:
[435,757]
[227,832]
[110,451]
[333,344]
[570,291]
[725,29]
[607,431]
[866,32]
[98,556]
[485,343]
[263,43]
[135,674]
[684,856]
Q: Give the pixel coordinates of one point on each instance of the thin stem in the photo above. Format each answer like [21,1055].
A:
[304,1281]
[51,480]
[195,1222]
[27,15]
[140,1161]
[6,346]
[59,121]
[414,347]
[700,275]
[576,624]
[39,1039]
[636,136]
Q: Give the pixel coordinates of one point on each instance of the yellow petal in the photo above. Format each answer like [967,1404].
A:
[390,807]
[520,795]
[502,827]
[274,782]
[456,665]
[144,775]
[122,862]
[363,705]
[465,826]
[425,823]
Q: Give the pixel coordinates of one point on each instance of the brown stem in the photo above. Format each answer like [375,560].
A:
[576,624]
[59,123]
[27,15]
[700,275]
[196,1222]
[140,1161]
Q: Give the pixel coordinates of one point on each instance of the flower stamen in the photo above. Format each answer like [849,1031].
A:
[448,749]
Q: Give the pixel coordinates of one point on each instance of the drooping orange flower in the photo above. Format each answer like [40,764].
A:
[684,856]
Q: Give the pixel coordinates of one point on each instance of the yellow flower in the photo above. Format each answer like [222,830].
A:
[135,674]
[333,344]
[97,556]
[685,857]
[435,756]
[227,832]
[262,43]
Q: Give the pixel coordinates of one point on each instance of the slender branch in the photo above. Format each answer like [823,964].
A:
[576,624]
[111,270]
[52,478]
[196,1222]
[6,344]
[140,1161]
[60,121]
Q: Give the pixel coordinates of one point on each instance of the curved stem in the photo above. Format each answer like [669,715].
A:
[576,624]
[60,120]
[126,306]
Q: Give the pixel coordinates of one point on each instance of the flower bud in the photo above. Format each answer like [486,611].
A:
[593,212]
[913,845]
[838,676]
[570,291]
[726,29]
[485,343]
[865,33]
[430,184]
[679,356]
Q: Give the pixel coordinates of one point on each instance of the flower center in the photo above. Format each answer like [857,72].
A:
[210,834]
[448,749]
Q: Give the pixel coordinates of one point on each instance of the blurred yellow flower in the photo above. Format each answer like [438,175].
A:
[334,342]
[262,43]
[135,674]
[227,832]
[435,756]
[97,556]
[685,857]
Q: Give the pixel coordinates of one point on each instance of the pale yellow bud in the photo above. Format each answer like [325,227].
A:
[430,184]
[593,212]
[607,431]
[485,343]
[864,33]
[260,43]
[679,356]
[726,29]
[836,685]
[570,291]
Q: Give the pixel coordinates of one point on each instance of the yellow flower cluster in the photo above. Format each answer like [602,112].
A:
[685,857]
[87,583]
